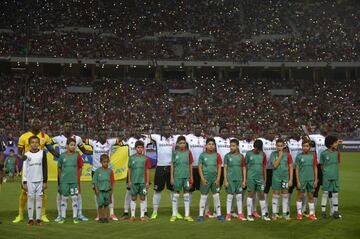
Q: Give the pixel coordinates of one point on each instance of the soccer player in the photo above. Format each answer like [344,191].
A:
[100,147]
[61,140]
[210,174]
[11,165]
[23,147]
[164,146]
[282,178]
[306,178]
[234,178]
[34,178]
[69,168]
[138,179]
[181,177]
[196,144]
[131,142]
[269,146]
[329,162]
[256,179]
[103,181]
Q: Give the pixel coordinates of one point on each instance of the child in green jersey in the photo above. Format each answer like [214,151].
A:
[234,178]
[69,170]
[329,162]
[210,173]
[306,178]
[103,181]
[11,165]
[138,179]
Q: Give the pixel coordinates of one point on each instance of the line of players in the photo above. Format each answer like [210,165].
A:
[165,147]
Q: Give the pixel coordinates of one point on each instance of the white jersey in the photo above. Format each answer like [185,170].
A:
[196,145]
[131,144]
[164,148]
[99,149]
[245,146]
[268,148]
[295,147]
[222,147]
[61,141]
[33,167]
[319,144]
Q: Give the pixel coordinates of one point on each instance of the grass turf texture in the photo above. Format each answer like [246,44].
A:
[347,227]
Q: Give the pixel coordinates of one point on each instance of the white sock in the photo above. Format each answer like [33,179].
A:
[239,203]
[38,206]
[203,200]
[289,202]
[335,201]
[249,205]
[299,207]
[171,196]
[190,197]
[132,208]
[275,203]
[266,195]
[74,204]
[142,208]
[331,206]
[145,204]
[175,203]
[324,200]
[254,201]
[30,205]
[79,200]
[111,206]
[207,207]
[156,201]
[127,201]
[64,202]
[217,204]
[312,208]
[229,201]
[263,207]
[58,203]
[304,204]
[285,203]
[187,204]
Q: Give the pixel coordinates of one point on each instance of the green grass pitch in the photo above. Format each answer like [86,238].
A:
[347,227]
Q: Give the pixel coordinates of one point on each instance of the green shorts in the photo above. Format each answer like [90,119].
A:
[279,184]
[181,184]
[234,187]
[307,186]
[255,185]
[69,189]
[331,185]
[138,189]
[211,186]
[10,171]
[103,199]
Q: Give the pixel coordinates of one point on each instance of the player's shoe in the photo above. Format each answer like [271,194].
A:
[250,218]
[124,217]
[312,217]
[255,214]
[44,218]
[57,219]
[38,222]
[179,216]
[336,215]
[146,215]
[323,215]
[233,214]
[209,214]
[30,223]
[200,219]
[305,214]
[266,218]
[97,218]
[154,215]
[76,221]
[132,219]
[287,217]
[188,219]
[18,218]
[173,218]
[101,220]
[275,216]
[83,218]
[62,221]
[228,217]
[113,217]
[144,219]
[220,218]
[241,217]
[299,217]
